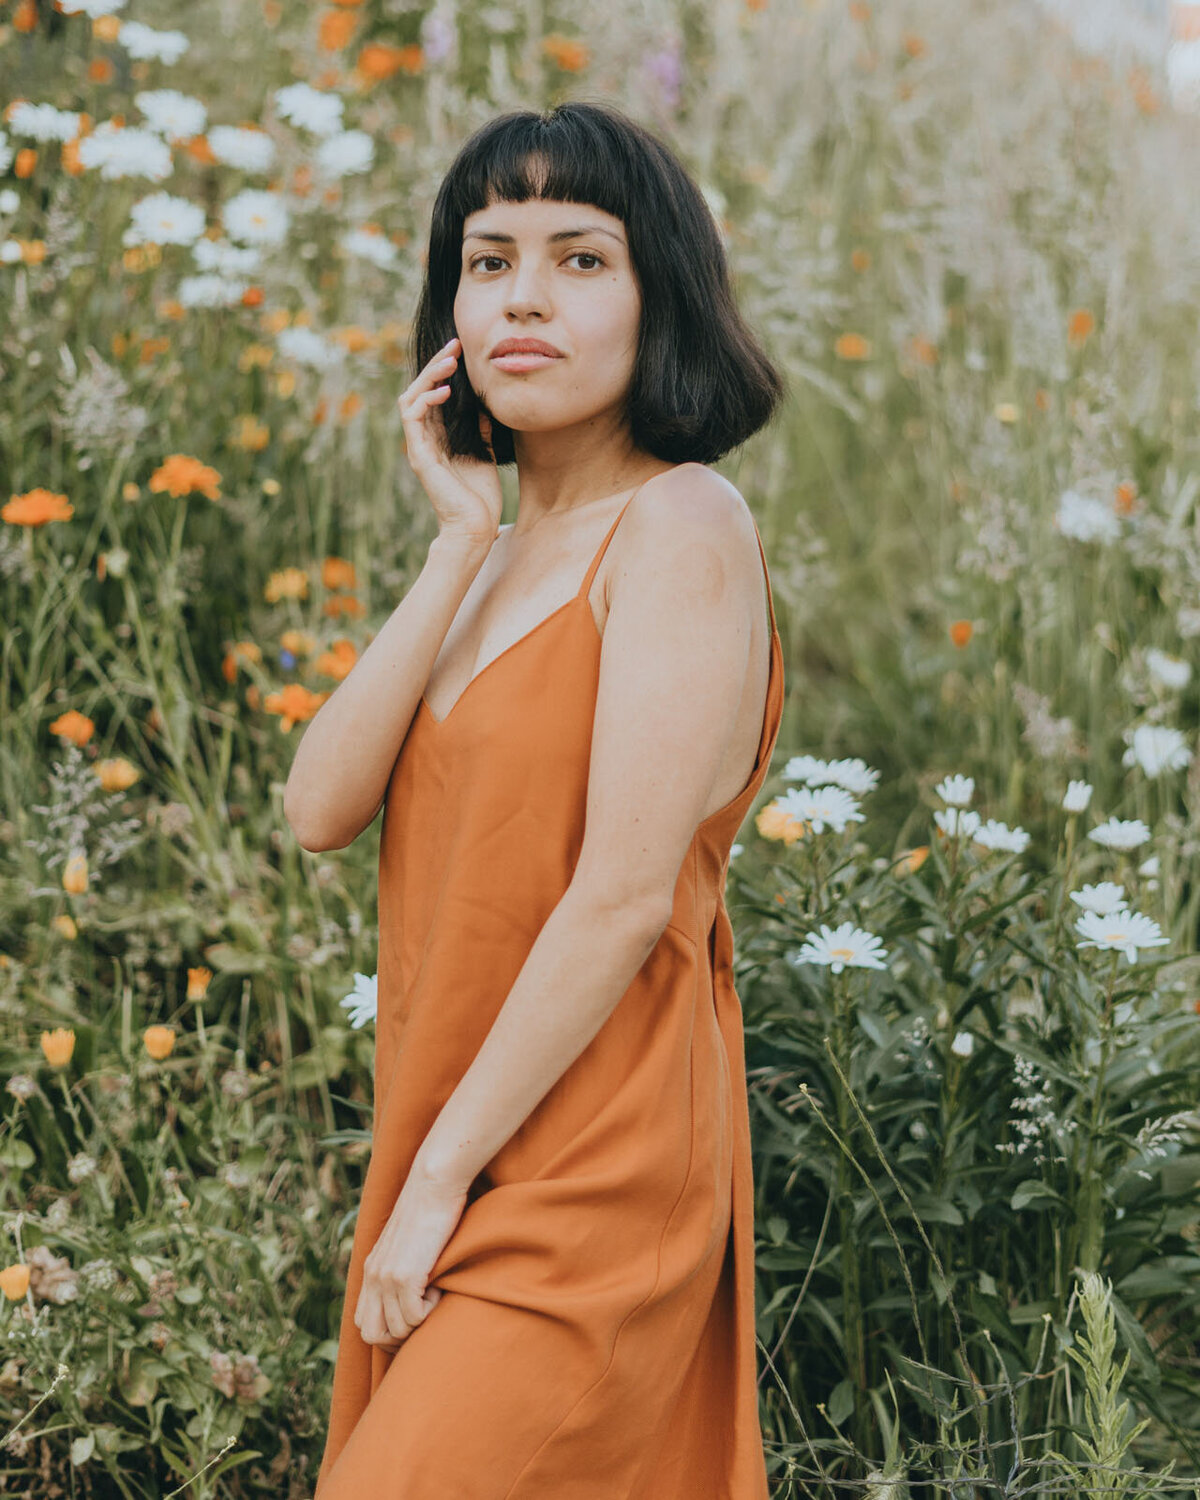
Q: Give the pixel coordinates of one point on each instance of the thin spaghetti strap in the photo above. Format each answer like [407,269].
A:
[585,587]
[766,574]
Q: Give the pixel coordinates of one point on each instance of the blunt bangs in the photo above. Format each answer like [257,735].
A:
[701,383]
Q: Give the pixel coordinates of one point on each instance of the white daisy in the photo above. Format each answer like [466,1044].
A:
[125,151]
[237,146]
[1118,834]
[841,946]
[300,104]
[821,806]
[6,159]
[1123,931]
[92,8]
[956,790]
[10,252]
[43,122]
[146,44]
[362,1003]
[307,347]
[210,290]
[229,260]
[162,219]
[256,216]
[176,116]
[1078,795]
[373,247]
[1085,519]
[1169,671]
[1157,748]
[854,775]
[1149,866]
[963,1044]
[1102,898]
[10,199]
[348,151]
[994,835]
[956,820]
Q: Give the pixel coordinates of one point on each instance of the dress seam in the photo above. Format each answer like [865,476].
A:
[566,1416]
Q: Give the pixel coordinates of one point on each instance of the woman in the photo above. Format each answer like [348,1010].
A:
[550,1294]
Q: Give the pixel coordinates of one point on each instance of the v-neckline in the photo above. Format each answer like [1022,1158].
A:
[578,598]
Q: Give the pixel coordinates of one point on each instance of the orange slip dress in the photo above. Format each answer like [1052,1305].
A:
[595,1335]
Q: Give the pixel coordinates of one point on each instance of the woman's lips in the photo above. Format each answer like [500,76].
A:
[515,363]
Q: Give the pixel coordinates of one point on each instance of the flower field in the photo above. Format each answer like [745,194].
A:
[966,908]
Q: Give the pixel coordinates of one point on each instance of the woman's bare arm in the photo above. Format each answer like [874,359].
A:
[341,767]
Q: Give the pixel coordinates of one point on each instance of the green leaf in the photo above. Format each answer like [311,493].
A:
[1035,1193]
[841,1402]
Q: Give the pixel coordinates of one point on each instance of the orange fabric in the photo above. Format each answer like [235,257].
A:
[595,1335]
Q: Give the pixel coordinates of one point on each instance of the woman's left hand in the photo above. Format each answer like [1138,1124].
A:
[392,1301]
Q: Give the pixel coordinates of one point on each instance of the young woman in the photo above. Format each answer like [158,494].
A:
[550,1293]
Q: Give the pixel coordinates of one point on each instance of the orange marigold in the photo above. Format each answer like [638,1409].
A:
[335,29]
[379,60]
[569,55]
[58,1046]
[338,660]
[961,632]
[159,1041]
[1080,326]
[74,726]
[36,507]
[338,573]
[344,604]
[197,983]
[293,703]
[181,475]
[852,346]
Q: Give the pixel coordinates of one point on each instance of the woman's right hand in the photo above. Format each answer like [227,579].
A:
[465,492]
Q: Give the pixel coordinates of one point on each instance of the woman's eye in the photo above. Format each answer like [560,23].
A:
[578,255]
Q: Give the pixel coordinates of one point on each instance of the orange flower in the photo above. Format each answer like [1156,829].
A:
[198,980]
[36,507]
[853,346]
[338,661]
[860,259]
[116,774]
[169,308]
[961,632]
[200,151]
[377,61]
[922,350]
[100,70]
[338,573]
[1041,399]
[152,348]
[159,1041]
[344,604]
[913,44]
[25,15]
[64,925]
[250,434]
[911,862]
[859,11]
[335,29]
[26,161]
[75,874]
[58,1045]
[772,822]
[320,412]
[1080,326]
[565,53]
[71,163]
[252,297]
[350,406]
[1126,497]
[180,475]
[353,338]
[240,651]
[14,1279]
[73,726]
[298,642]
[294,703]
[107,29]
[287,583]
[255,356]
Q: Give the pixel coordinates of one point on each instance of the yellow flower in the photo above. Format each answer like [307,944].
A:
[14,1281]
[117,774]
[159,1040]
[179,474]
[75,874]
[287,583]
[910,862]
[64,925]
[1006,412]
[58,1045]
[198,983]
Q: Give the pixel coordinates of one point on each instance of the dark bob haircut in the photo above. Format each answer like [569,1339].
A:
[701,382]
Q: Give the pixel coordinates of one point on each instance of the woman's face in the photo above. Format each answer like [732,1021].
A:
[559,272]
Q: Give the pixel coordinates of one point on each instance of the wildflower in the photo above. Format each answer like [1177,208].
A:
[21,1086]
[338,661]
[1168,671]
[75,873]
[64,924]
[250,434]
[197,983]
[50,1276]
[963,1044]
[1157,748]
[841,946]
[348,151]
[180,475]
[294,703]
[14,1281]
[774,822]
[211,291]
[1006,412]
[852,346]
[956,820]
[1086,519]
[171,114]
[994,835]
[821,807]
[372,246]
[335,29]
[1081,324]
[302,105]
[73,726]
[854,775]
[235,1083]
[961,632]
[81,1166]
[343,604]
[59,1046]
[159,1041]
[569,55]
[1118,834]
[36,508]
[125,151]
[43,121]
[910,863]
[1149,866]
[956,790]
[256,216]
[249,148]
[162,219]
[1078,795]
[379,60]
[143,42]
[361,1003]
[231,260]
[1122,931]
[1103,898]
[338,573]
[116,774]
[308,347]
[286,583]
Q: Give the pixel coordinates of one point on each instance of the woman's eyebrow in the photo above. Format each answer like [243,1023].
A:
[551,239]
